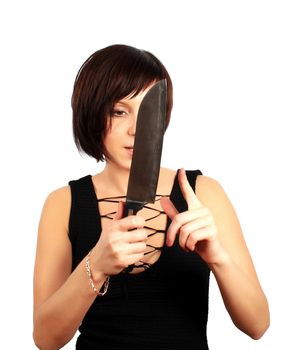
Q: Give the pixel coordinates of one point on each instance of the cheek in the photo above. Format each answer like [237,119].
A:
[111,138]
[116,129]
[107,141]
[109,132]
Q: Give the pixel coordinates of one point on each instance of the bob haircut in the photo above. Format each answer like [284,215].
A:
[106,77]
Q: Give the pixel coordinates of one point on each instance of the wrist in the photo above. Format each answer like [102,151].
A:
[223,261]
[98,282]
[99,276]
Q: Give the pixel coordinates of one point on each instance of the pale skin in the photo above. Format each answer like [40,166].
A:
[209,227]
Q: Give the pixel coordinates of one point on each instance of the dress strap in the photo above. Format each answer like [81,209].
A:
[177,197]
[84,223]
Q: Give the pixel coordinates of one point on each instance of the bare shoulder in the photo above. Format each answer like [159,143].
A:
[167,172]
[209,189]
[57,206]
[211,193]
[60,194]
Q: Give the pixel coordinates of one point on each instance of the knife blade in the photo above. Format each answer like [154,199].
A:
[145,165]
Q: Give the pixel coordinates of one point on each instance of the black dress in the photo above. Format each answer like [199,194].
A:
[164,307]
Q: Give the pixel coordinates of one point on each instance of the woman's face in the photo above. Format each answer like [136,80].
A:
[119,139]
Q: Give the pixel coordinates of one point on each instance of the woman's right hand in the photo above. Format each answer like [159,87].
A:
[121,244]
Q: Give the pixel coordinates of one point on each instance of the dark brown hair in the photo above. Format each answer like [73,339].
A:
[107,76]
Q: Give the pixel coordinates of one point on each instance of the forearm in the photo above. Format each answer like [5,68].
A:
[243,298]
[58,318]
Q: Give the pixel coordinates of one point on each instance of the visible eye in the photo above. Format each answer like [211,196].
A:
[119,113]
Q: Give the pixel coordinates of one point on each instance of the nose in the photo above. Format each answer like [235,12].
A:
[132,124]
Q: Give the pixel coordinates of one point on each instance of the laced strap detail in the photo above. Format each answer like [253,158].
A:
[154,213]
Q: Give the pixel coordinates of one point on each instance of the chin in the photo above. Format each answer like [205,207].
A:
[123,166]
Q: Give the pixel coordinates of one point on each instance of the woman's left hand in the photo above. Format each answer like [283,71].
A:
[196,226]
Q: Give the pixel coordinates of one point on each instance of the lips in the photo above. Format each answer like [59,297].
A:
[129,150]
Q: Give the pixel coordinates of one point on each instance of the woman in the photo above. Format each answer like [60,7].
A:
[85,247]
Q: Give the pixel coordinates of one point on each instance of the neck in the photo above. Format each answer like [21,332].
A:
[117,178]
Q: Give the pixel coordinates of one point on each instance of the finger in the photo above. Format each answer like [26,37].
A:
[180,220]
[192,226]
[194,238]
[120,210]
[139,235]
[168,207]
[187,191]
[133,259]
[131,222]
[204,234]
[136,248]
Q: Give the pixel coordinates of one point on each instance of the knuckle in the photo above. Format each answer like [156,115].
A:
[143,222]
[140,234]
[143,246]
[140,220]
[137,221]
[205,211]
[117,226]
[181,239]
[111,242]
[133,220]
[116,253]
[177,219]
[211,232]
[120,262]
[214,230]
[114,237]
[144,233]
[184,231]
[190,244]
[192,239]
[210,219]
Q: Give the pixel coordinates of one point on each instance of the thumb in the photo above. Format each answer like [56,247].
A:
[120,210]
[168,207]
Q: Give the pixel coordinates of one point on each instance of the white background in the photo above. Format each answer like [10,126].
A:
[236,68]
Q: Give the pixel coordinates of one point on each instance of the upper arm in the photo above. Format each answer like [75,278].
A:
[53,253]
[213,196]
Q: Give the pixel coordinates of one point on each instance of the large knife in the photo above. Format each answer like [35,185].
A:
[145,165]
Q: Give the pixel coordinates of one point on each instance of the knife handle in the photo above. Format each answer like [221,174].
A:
[131,208]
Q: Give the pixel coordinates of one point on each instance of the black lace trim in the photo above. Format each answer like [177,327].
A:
[155,214]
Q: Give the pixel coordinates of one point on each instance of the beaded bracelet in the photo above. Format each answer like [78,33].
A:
[104,288]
